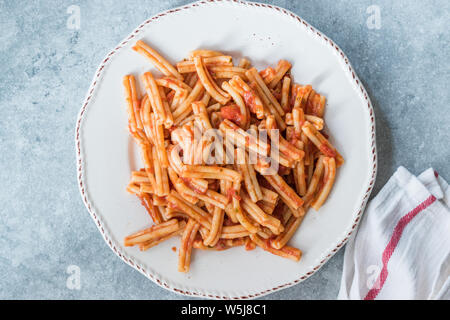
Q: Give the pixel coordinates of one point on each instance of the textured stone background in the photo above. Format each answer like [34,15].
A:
[47,68]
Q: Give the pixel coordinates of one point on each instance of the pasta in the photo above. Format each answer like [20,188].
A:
[231,156]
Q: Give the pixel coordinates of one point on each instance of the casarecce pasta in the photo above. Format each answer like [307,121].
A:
[232,156]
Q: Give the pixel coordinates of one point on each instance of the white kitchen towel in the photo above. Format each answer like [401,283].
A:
[401,249]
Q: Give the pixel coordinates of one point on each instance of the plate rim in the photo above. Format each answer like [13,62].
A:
[204,293]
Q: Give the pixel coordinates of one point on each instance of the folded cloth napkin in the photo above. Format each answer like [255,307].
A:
[401,249]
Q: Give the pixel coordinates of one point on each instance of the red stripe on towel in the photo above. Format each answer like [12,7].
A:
[395,238]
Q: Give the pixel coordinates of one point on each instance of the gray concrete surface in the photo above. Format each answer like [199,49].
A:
[46,69]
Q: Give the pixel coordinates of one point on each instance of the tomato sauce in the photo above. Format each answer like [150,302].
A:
[231,193]
[232,113]
[249,99]
[326,150]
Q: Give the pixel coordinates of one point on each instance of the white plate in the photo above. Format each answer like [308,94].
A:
[106,154]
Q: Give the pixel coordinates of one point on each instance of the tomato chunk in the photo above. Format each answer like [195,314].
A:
[232,113]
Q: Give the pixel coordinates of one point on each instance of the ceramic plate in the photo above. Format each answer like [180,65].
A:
[106,154]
